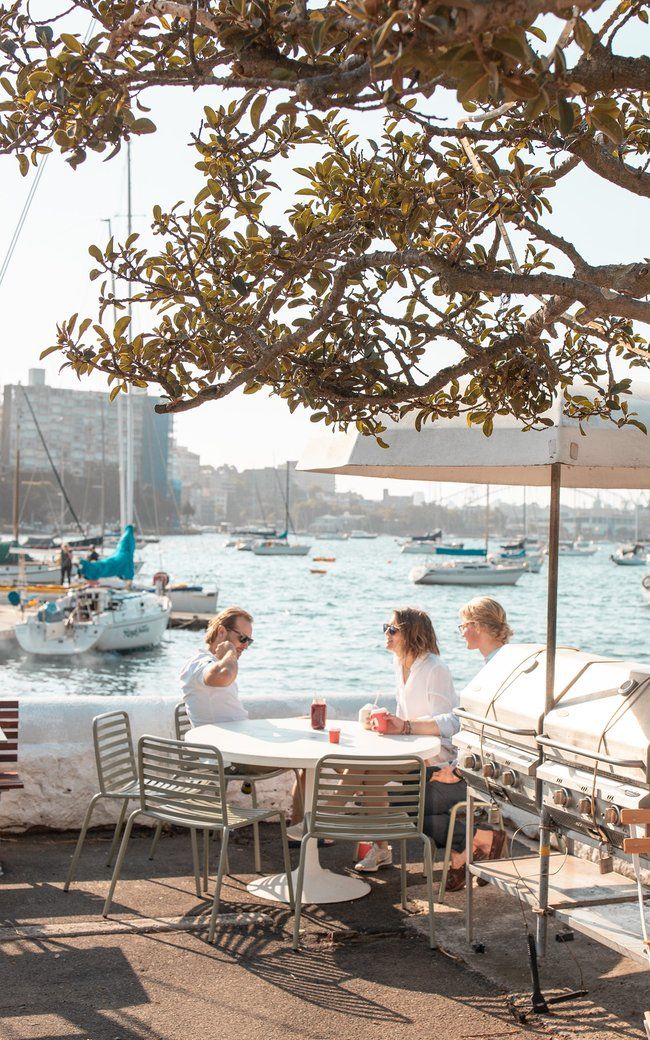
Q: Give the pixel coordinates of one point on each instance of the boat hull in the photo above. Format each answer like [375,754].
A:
[56,639]
[281,550]
[467,576]
[134,633]
[33,574]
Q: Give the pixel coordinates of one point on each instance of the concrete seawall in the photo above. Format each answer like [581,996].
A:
[57,760]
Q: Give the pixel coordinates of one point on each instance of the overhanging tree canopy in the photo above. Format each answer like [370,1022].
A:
[392,284]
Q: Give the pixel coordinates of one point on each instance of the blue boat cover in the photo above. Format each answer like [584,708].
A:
[119,565]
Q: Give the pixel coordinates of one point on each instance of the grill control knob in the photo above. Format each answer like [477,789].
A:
[561,796]
[584,806]
[612,815]
[509,778]
[491,770]
[471,762]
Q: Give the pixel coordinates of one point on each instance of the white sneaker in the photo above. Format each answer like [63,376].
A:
[375,859]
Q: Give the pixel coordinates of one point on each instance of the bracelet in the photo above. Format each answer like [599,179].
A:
[406,731]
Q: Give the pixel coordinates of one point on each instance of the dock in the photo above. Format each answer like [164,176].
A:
[192,622]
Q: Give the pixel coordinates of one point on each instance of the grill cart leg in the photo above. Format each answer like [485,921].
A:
[544,868]
[469,844]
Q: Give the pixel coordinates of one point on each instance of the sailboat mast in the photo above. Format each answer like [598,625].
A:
[286,501]
[128,508]
[525,517]
[487,519]
[121,461]
[17,489]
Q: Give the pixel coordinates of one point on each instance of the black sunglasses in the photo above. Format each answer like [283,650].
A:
[391,629]
[244,640]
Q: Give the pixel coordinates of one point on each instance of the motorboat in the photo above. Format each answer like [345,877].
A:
[95,618]
[432,543]
[362,534]
[520,552]
[632,555]
[467,572]
[17,565]
[577,548]
[333,536]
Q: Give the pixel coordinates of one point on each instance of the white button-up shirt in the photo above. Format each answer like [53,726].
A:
[429,693]
[207,705]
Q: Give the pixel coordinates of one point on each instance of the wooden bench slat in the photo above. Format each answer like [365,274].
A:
[635,816]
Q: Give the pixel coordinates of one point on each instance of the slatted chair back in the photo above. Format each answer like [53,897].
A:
[182,724]
[182,783]
[114,752]
[9,779]
[376,799]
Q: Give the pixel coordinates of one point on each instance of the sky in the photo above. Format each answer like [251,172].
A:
[47,279]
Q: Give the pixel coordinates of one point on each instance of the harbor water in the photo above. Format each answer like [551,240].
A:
[321,633]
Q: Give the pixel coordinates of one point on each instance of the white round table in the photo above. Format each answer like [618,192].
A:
[294,744]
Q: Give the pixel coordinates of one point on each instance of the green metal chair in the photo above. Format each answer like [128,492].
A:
[117,775]
[182,726]
[368,799]
[184,784]
[458,807]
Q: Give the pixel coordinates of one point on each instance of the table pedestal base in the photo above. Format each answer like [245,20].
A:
[320,886]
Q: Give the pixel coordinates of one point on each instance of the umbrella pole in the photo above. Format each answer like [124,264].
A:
[551,601]
[551,644]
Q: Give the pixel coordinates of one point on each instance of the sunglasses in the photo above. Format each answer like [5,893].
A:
[391,629]
[244,640]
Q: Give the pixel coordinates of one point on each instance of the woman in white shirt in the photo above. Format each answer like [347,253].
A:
[426,699]
[485,628]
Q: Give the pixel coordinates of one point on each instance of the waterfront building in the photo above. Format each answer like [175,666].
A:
[80,430]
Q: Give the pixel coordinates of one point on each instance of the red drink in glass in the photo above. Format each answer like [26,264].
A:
[318,713]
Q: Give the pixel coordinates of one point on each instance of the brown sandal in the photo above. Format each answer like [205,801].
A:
[455,879]
[499,839]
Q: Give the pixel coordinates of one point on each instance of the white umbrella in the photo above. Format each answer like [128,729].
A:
[602,455]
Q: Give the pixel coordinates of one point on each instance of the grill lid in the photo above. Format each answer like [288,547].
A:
[510,690]
[606,713]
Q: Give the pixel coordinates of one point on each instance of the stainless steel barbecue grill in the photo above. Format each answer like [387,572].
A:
[581,771]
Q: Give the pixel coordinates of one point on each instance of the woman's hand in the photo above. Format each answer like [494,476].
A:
[391,725]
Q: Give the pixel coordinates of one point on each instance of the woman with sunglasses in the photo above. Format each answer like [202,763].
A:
[485,628]
[426,699]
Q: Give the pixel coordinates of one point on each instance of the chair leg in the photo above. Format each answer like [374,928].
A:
[117,834]
[450,837]
[256,832]
[428,863]
[217,888]
[195,860]
[299,792]
[82,838]
[287,859]
[403,872]
[206,858]
[120,860]
[298,892]
[156,839]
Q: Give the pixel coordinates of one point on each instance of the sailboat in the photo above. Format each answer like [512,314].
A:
[97,618]
[281,546]
[467,571]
